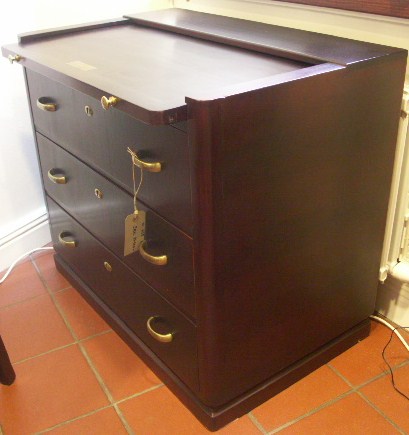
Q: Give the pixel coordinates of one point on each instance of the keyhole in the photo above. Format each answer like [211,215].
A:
[89,111]
[98,193]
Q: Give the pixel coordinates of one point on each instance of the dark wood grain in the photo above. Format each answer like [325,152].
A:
[105,219]
[102,141]
[7,373]
[284,379]
[27,37]
[212,418]
[392,8]
[128,296]
[296,214]
[294,44]
[280,176]
[177,65]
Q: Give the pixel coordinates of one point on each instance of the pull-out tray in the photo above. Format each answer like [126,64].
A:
[153,61]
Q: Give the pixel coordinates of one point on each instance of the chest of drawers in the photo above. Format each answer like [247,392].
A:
[267,156]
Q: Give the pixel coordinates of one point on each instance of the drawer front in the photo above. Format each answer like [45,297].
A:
[101,140]
[128,296]
[102,207]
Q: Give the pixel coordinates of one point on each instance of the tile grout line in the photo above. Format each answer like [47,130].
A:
[256,423]
[55,349]
[133,396]
[31,298]
[375,378]
[111,405]
[380,412]
[97,375]
[340,375]
[80,417]
[362,395]
[332,401]
[312,412]
[124,421]
[105,389]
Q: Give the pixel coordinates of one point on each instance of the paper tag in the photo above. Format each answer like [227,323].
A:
[134,232]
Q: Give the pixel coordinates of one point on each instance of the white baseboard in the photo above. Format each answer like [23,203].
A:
[393,301]
[35,234]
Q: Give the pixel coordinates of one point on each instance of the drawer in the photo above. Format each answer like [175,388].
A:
[101,140]
[129,297]
[103,212]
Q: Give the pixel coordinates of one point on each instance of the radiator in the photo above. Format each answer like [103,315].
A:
[393,292]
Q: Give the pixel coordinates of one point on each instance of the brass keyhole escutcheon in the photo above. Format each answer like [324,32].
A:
[88,111]
[98,193]
[107,266]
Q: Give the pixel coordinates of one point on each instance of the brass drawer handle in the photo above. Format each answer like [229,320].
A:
[150,167]
[163,338]
[160,260]
[66,243]
[57,179]
[45,104]
[108,102]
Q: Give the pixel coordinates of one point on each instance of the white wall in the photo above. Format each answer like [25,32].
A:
[23,224]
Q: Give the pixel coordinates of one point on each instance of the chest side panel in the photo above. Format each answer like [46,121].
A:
[298,201]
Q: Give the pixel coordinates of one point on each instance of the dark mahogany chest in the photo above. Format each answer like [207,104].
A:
[266,156]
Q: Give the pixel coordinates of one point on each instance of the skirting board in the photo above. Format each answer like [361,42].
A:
[33,235]
[393,301]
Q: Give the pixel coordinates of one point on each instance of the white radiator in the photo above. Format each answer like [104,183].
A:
[393,293]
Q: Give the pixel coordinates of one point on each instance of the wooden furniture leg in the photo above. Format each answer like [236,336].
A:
[7,374]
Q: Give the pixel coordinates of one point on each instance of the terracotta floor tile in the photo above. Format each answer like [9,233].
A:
[351,415]
[159,412]
[310,392]
[102,422]
[84,321]
[32,327]
[55,281]
[241,426]
[122,371]
[22,283]
[49,390]
[382,394]
[364,360]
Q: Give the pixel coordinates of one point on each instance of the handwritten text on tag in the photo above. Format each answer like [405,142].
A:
[134,231]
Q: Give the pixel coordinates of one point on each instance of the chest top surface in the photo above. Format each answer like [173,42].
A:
[153,61]
[149,67]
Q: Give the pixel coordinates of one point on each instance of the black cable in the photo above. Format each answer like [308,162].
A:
[386,362]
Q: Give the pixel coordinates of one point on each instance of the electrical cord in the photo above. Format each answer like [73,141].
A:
[394,330]
[20,258]
[390,368]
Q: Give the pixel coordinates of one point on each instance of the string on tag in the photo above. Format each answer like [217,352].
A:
[134,222]
[135,190]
